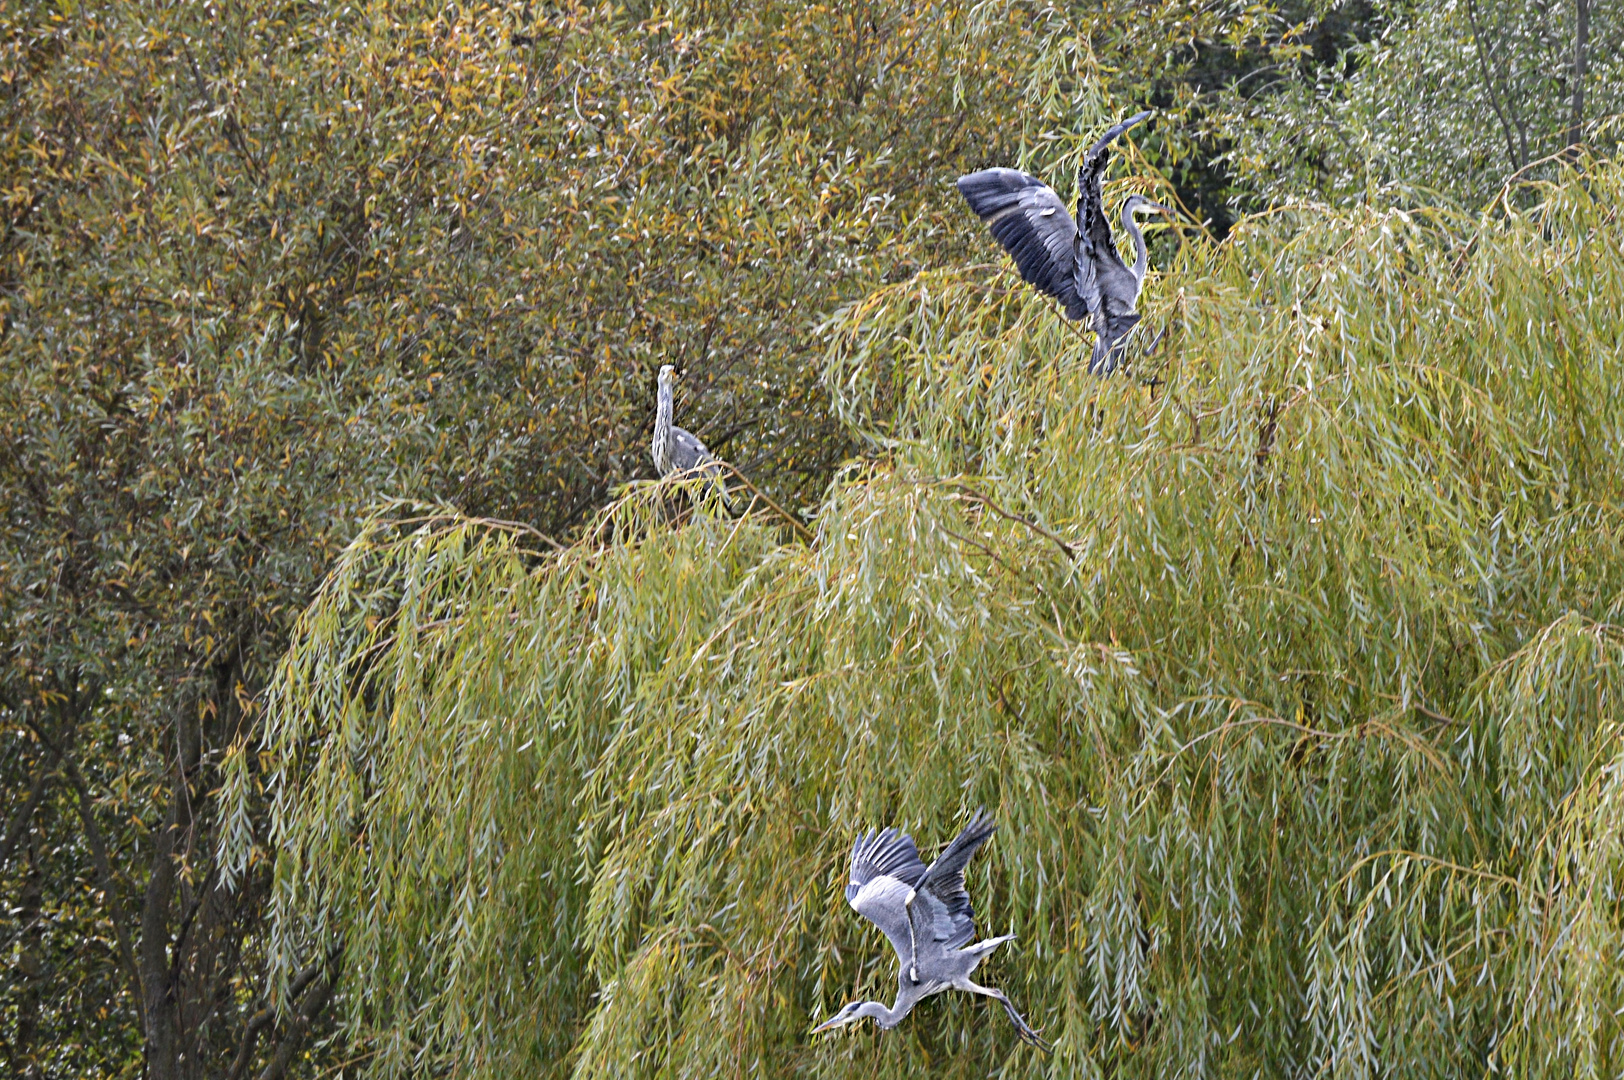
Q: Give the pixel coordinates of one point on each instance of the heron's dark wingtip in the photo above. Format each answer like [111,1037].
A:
[1100,150]
[981,823]
[1117,129]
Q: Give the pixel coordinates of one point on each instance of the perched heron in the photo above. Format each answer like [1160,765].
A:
[676,450]
[925,912]
[1074,262]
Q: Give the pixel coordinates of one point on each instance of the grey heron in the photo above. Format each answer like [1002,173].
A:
[1074,262]
[678,451]
[925,912]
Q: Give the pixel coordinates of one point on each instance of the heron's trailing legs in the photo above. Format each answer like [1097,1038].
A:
[1156,342]
[1022,1029]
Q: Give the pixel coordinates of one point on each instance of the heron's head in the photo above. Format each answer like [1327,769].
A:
[668,373]
[1139,204]
[841,1018]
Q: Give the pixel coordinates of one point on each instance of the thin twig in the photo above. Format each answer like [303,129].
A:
[794,523]
[104,868]
[1069,549]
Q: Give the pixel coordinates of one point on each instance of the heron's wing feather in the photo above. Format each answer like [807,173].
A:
[885,866]
[1030,221]
[687,451]
[882,901]
[942,898]
[934,923]
[1093,226]
[889,853]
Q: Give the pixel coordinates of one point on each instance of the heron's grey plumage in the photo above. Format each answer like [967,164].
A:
[925,912]
[1029,220]
[1074,261]
[675,450]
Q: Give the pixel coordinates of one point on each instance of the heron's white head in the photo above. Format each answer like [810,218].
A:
[841,1018]
[668,372]
[1138,203]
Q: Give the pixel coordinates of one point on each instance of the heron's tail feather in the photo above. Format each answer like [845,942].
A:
[1110,345]
[982,948]
[718,478]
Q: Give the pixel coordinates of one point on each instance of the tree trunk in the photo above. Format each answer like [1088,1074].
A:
[1518,160]
[157,988]
[1581,35]
[30,966]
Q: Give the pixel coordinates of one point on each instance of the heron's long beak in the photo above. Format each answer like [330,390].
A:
[833,1021]
[1168,210]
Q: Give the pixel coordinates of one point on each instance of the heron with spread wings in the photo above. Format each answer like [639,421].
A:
[925,912]
[1076,262]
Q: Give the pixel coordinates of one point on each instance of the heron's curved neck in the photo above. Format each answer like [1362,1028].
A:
[1141,262]
[662,429]
[887,1017]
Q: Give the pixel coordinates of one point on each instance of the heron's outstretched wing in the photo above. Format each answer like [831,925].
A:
[1092,224]
[1030,221]
[885,866]
[942,906]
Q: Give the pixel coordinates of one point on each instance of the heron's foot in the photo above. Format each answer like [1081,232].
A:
[1023,1030]
[1032,1038]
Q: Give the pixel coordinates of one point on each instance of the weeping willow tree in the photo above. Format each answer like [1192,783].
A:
[1291,667]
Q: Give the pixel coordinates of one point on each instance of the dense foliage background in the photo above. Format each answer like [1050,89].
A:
[265,266]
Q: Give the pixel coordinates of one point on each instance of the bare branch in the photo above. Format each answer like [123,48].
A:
[263,1018]
[98,856]
[1488,84]
[1068,549]
[1581,35]
[25,812]
[309,1010]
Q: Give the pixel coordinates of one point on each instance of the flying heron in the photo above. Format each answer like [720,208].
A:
[678,451]
[925,912]
[1074,262]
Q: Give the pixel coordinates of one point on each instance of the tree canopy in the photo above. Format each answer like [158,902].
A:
[1289,668]
[265,268]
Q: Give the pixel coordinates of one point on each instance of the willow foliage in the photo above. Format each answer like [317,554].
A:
[1291,667]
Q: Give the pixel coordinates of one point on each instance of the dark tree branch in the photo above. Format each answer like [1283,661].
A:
[1581,36]
[250,1038]
[1067,549]
[104,871]
[186,921]
[154,959]
[1488,84]
[98,856]
[310,1009]
[263,1018]
[25,813]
